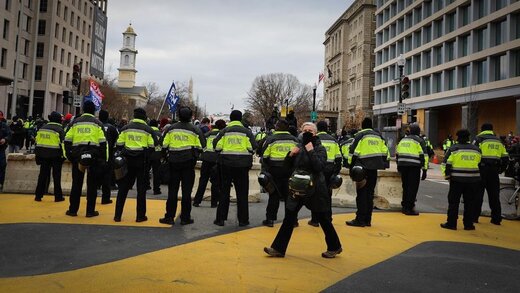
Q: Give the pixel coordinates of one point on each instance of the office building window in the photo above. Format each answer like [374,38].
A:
[56,31]
[7,5]
[417,15]
[417,39]
[515,60]
[408,20]
[437,82]
[53,74]
[408,43]
[70,39]
[41,27]
[392,52]
[38,72]
[427,59]
[450,50]
[27,23]
[437,55]
[60,80]
[26,47]
[437,28]
[499,64]
[464,17]
[481,68]
[427,85]
[65,13]
[437,5]
[5,32]
[463,46]
[64,35]
[72,18]
[499,4]
[43,5]
[68,59]
[58,9]
[400,25]
[25,68]
[481,8]
[450,79]
[76,43]
[416,87]
[399,47]
[62,56]
[391,94]
[500,32]
[408,66]
[427,9]
[464,76]
[481,35]
[417,63]
[427,34]
[516,25]
[3,58]
[40,50]
[450,22]
[55,53]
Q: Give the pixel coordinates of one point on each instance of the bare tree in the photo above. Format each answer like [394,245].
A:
[270,91]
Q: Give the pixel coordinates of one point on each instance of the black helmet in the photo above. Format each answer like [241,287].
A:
[120,167]
[357,173]
[266,181]
[301,184]
[336,181]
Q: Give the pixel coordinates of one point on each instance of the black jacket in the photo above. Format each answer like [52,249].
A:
[313,162]
[111,134]
[17,133]
[5,133]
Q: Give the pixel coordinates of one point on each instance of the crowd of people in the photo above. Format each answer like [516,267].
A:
[299,167]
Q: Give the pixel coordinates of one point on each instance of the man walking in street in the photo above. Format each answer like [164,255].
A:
[275,149]
[184,142]
[333,165]
[208,168]
[461,168]
[235,145]
[49,155]
[136,142]
[411,156]
[85,147]
[369,151]
[494,161]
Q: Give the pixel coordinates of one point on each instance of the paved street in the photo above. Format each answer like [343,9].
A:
[44,250]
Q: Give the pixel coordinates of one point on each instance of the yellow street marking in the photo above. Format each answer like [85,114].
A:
[23,209]
[236,263]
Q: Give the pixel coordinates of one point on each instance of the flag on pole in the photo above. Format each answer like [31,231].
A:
[95,95]
[321,76]
[172,99]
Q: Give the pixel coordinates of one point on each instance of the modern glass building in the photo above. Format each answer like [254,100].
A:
[462,58]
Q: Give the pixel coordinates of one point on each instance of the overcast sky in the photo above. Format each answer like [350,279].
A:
[223,45]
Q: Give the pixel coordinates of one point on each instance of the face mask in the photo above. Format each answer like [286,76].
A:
[307,137]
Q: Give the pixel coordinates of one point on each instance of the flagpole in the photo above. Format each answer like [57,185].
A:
[164,102]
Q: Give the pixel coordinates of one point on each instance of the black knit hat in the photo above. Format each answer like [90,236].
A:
[185,114]
[139,113]
[55,117]
[89,107]
[235,115]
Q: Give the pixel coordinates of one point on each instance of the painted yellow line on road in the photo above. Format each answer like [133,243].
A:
[23,209]
[236,263]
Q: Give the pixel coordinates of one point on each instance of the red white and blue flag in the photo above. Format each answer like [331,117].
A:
[95,95]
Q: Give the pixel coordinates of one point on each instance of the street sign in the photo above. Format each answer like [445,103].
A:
[314,115]
[77,101]
[401,108]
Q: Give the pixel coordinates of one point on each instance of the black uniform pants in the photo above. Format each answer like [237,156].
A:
[77,184]
[207,171]
[491,184]
[280,177]
[44,177]
[283,237]
[329,190]
[410,178]
[239,176]
[136,171]
[155,165]
[469,191]
[106,180]
[365,198]
[180,172]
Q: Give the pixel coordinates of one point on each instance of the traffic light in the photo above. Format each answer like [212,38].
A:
[405,87]
[412,116]
[76,76]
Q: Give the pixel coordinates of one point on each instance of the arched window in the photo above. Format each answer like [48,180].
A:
[127,41]
[127,60]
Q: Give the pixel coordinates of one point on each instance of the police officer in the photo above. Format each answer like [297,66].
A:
[461,168]
[275,149]
[260,135]
[494,161]
[85,145]
[184,142]
[368,150]
[136,142]
[29,132]
[49,155]
[411,156]
[106,179]
[155,159]
[235,145]
[333,165]
[448,142]
[208,168]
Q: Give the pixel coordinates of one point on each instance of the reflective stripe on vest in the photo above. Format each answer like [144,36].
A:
[278,149]
[135,139]
[492,148]
[234,143]
[85,133]
[181,139]
[48,138]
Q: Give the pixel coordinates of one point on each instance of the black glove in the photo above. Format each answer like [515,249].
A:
[423,177]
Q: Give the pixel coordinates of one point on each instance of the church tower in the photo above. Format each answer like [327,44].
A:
[126,68]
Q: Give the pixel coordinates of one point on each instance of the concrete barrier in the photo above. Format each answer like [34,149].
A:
[22,175]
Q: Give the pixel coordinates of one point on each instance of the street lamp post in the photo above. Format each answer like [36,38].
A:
[401,61]
[314,102]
